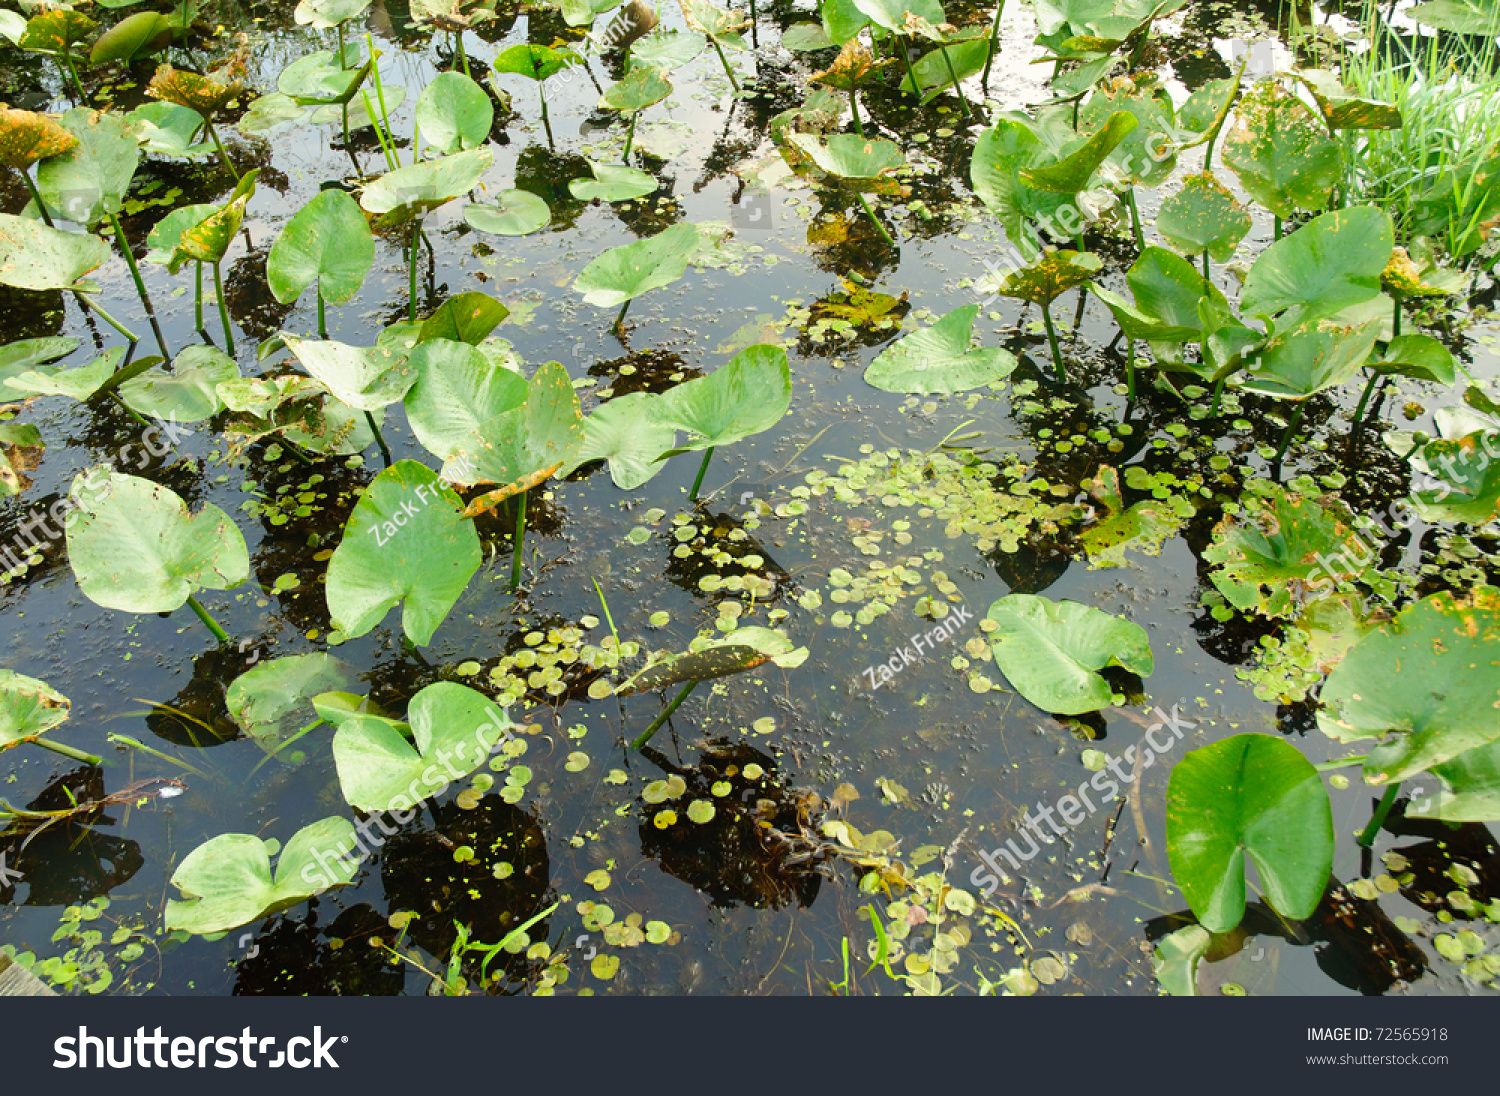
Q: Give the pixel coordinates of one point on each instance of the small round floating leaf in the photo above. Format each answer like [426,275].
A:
[1253,795]
[701,811]
[514,213]
[454,113]
[577,761]
[613,183]
[604,967]
[28,707]
[624,273]
[938,359]
[598,879]
[657,932]
[664,819]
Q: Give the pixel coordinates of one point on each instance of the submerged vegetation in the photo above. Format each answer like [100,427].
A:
[443,341]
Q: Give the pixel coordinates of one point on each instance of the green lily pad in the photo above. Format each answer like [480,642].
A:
[271,700]
[456,392]
[1250,795]
[88,182]
[665,50]
[412,191]
[613,183]
[134,546]
[467,318]
[1050,650]
[327,14]
[454,113]
[860,162]
[453,728]
[534,62]
[21,355]
[625,431]
[1427,684]
[1281,152]
[1052,275]
[328,242]
[1203,216]
[1333,261]
[624,273]
[1167,292]
[28,707]
[168,129]
[77,383]
[1175,960]
[1072,173]
[135,36]
[187,394]
[938,359]
[750,394]
[406,541]
[1306,360]
[26,137]
[514,213]
[365,378]
[227,882]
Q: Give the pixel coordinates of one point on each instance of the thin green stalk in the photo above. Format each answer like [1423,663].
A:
[385,117]
[1396,318]
[135,271]
[1383,808]
[1129,368]
[727,70]
[1135,219]
[957,90]
[223,152]
[36,197]
[463,58]
[137,744]
[322,318]
[984,81]
[547,122]
[645,736]
[520,539]
[1205,266]
[342,65]
[629,138]
[345,117]
[1364,398]
[859,127]
[386,148]
[1291,428]
[198,297]
[223,311]
[708,455]
[620,319]
[610,620]
[385,451]
[67,66]
[411,273]
[1213,408]
[1276,228]
[68,751]
[884,235]
[1057,358]
[212,625]
[107,318]
[904,45]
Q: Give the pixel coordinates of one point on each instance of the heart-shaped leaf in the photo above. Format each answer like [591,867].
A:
[405,541]
[77,383]
[206,94]
[1203,216]
[750,394]
[1167,292]
[270,701]
[188,393]
[227,882]
[456,392]
[453,727]
[613,183]
[626,432]
[1050,276]
[858,161]
[1331,262]
[56,32]
[19,356]
[1281,152]
[1253,795]
[1304,361]
[168,130]
[365,378]
[454,113]
[643,87]
[88,181]
[325,78]
[1050,651]
[514,213]
[523,446]
[26,137]
[938,359]
[28,707]
[414,190]
[624,273]
[1072,173]
[467,318]
[891,14]
[535,62]
[327,14]
[134,545]
[1427,684]
[327,241]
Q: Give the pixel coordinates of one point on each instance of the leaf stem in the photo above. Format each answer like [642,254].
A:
[1364,398]
[1135,219]
[859,127]
[68,751]
[1383,808]
[884,235]
[322,319]
[1057,358]
[984,81]
[223,311]
[1291,428]
[36,197]
[629,138]
[1129,368]
[727,70]
[212,625]
[385,451]
[223,152]
[135,274]
[666,714]
[411,272]
[620,319]
[107,318]
[520,541]
[708,455]
[198,297]
[904,45]
[957,89]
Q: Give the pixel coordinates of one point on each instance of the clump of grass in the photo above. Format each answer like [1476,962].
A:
[1435,175]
